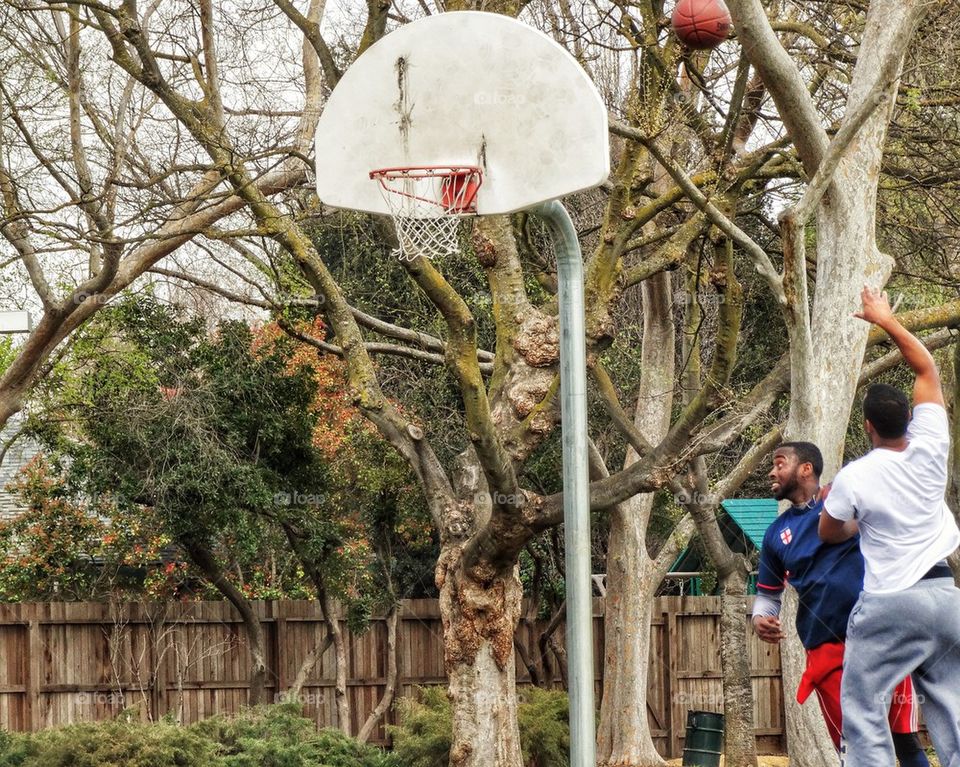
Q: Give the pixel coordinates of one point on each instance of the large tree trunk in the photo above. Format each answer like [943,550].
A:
[808,742]
[741,742]
[624,735]
[479,620]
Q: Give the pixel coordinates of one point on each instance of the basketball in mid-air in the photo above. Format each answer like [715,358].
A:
[701,23]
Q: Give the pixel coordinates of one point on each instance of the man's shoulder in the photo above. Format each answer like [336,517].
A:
[859,466]
[929,410]
[929,424]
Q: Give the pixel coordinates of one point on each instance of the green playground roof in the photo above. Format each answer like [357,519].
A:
[752,515]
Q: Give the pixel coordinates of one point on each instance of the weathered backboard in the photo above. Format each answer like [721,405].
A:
[464,88]
[15,322]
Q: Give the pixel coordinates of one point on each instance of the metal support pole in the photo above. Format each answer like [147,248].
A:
[576,491]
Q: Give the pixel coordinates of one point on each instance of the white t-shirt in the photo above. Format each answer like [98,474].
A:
[897,499]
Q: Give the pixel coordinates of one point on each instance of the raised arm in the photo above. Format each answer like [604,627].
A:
[926,387]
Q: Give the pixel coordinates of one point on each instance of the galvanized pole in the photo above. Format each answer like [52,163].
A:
[576,491]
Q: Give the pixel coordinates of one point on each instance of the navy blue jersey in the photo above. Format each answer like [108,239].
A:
[828,577]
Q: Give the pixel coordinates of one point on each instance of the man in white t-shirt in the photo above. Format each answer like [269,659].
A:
[908,616]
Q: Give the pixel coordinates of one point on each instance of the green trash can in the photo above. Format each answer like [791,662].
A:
[704,743]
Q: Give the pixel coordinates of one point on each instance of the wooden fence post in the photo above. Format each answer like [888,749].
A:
[672,675]
[280,643]
[34,672]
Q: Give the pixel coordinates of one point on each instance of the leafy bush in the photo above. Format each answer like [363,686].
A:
[423,737]
[110,744]
[337,750]
[269,736]
[544,718]
[279,736]
[274,726]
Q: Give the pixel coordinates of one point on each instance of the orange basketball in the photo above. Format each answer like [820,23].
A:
[702,23]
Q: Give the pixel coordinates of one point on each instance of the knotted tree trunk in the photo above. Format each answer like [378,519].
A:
[479,620]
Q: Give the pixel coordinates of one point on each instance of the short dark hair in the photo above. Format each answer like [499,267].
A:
[806,452]
[888,409]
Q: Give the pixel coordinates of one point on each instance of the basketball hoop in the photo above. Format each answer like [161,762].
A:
[427,203]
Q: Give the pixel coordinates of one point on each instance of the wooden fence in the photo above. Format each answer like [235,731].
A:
[68,662]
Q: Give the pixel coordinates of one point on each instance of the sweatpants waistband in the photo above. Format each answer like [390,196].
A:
[939,570]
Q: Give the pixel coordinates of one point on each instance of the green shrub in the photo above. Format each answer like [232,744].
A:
[271,732]
[337,750]
[544,718]
[423,737]
[267,736]
[110,744]
[279,736]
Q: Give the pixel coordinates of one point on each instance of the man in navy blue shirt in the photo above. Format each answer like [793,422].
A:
[828,579]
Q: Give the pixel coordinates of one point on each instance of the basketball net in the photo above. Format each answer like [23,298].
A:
[426,204]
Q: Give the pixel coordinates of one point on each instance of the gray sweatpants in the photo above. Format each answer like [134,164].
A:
[889,636]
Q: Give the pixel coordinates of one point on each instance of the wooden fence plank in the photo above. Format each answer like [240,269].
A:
[191,660]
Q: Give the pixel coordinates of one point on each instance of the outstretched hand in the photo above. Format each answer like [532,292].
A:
[768,628]
[876,306]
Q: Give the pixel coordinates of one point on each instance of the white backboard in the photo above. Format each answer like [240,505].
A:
[15,322]
[464,88]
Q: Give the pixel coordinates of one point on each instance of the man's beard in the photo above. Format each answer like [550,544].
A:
[786,489]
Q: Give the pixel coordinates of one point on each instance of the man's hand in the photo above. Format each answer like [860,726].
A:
[768,628]
[876,306]
[876,309]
